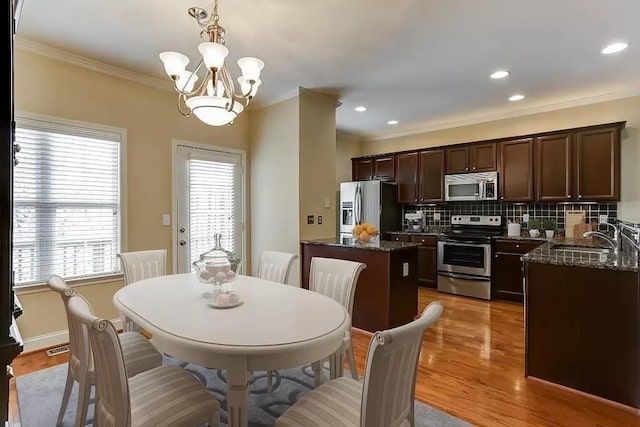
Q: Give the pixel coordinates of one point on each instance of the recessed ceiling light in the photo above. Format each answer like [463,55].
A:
[614,48]
[392,122]
[500,74]
[361,109]
[516,97]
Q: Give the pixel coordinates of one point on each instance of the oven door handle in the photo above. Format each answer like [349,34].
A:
[464,243]
[462,276]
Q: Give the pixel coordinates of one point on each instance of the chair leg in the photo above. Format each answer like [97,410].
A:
[84,393]
[335,365]
[317,372]
[352,363]
[270,381]
[65,396]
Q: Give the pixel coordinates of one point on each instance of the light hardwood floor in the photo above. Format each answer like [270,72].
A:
[472,366]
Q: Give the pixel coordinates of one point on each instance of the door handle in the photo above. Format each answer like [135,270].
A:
[183,242]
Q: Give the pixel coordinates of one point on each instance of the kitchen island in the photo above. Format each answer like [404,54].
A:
[582,311]
[387,289]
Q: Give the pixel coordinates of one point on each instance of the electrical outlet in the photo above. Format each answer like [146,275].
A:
[319,219]
[604,219]
[309,219]
[525,217]
[405,269]
[436,217]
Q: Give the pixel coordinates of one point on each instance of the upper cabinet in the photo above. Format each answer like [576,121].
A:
[597,164]
[382,167]
[407,177]
[431,176]
[554,167]
[516,170]
[476,157]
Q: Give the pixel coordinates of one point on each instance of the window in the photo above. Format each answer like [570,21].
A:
[67,209]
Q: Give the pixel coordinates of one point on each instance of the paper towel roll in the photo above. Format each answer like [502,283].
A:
[513,230]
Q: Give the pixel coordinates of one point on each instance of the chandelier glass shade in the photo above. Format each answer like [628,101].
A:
[215,100]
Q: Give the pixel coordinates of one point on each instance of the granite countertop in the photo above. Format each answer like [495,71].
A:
[378,245]
[524,237]
[626,260]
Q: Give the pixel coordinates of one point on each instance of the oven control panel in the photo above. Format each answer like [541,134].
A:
[477,220]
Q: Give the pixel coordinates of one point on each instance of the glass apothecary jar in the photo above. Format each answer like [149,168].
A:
[217,267]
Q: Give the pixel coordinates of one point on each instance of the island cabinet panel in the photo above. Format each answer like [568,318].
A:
[384,167]
[483,157]
[431,176]
[457,159]
[516,170]
[361,169]
[554,167]
[407,177]
[385,297]
[582,330]
[597,164]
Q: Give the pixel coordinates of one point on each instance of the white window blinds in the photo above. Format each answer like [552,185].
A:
[66,201]
[213,189]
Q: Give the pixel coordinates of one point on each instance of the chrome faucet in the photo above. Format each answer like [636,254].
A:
[615,242]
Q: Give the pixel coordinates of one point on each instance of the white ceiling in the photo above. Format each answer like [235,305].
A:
[421,62]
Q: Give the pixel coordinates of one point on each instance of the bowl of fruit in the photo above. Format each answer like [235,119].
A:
[364,232]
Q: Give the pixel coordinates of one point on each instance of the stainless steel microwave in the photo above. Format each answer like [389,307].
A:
[471,187]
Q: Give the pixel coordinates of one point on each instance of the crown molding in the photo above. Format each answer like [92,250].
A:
[260,104]
[320,97]
[436,126]
[90,64]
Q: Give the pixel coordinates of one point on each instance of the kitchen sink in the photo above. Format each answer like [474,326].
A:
[581,249]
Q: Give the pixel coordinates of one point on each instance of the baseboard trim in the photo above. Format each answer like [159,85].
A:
[53,339]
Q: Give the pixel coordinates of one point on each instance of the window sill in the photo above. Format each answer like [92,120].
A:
[74,283]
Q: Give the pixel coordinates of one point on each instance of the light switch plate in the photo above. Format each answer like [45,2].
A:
[166,220]
[327,202]
[525,217]
[604,219]
[405,269]
[436,217]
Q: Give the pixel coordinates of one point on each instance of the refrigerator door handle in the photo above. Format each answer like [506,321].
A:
[357,204]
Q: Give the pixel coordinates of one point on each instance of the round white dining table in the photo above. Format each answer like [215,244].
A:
[276,327]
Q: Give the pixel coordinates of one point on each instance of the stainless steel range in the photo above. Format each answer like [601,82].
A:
[464,255]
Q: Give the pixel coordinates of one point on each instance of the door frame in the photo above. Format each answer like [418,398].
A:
[174,191]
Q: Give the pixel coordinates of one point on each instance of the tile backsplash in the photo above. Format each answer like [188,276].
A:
[514,211]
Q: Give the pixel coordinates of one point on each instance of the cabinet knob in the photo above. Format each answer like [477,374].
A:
[501,198]
[416,200]
[517,246]
[495,256]
[466,169]
[474,168]
[569,196]
[579,196]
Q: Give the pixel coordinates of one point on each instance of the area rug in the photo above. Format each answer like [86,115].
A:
[40,394]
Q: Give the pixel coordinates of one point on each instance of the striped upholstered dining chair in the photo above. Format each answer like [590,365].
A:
[163,396]
[387,396]
[138,266]
[138,353]
[337,279]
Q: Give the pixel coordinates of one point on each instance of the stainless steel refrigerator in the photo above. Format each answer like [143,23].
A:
[373,202]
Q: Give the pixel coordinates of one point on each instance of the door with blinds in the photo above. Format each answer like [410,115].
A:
[209,200]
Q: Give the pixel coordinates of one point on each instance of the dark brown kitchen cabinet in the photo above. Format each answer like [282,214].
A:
[482,157]
[554,167]
[476,157]
[597,164]
[516,170]
[431,176]
[427,260]
[457,159]
[407,177]
[384,167]
[506,269]
[361,169]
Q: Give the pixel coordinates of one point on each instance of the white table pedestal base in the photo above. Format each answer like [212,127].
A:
[238,397]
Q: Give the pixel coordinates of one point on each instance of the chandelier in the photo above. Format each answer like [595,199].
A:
[215,100]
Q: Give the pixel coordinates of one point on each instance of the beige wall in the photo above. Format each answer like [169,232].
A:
[347,146]
[317,165]
[274,180]
[149,115]
[624,109]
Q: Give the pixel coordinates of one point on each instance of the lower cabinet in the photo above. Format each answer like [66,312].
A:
[506,269]
[427,260]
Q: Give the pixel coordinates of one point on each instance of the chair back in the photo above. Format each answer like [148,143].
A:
[275,266]
[79,348]
[143,265]
[112,406]
[335,278]
[390,375]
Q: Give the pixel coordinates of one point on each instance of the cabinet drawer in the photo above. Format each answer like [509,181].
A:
[399,237]
[425,240]
[516,247]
